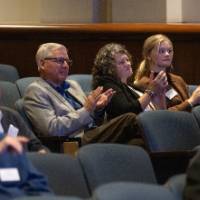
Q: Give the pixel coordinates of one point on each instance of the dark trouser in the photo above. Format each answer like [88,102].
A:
[122,129]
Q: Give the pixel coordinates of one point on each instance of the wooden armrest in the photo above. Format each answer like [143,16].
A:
[71,147]
[61,144]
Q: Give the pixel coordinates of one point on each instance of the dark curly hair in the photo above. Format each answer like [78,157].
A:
[104,63]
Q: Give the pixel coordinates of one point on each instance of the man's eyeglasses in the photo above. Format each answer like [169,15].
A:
[60,60]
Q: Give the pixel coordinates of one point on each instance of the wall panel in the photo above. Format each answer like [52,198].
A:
[18,44]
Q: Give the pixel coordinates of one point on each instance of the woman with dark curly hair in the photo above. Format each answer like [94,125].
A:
[112,69]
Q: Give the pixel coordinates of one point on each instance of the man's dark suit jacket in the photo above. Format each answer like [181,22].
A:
[10,116]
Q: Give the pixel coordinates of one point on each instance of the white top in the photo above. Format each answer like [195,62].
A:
[150,106]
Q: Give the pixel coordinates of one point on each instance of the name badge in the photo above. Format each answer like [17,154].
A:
[9,174]
[170,94]
[12,131]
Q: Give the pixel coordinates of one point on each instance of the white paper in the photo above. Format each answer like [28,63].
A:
[9,174]
[12,131]
[170,94]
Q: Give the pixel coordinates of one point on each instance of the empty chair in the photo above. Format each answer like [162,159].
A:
[64,173]
[9,94]
[132,191]
[170,138]
[23,83]
[104,163]
[164,130]
[8,73]
[196,113]
[84,80]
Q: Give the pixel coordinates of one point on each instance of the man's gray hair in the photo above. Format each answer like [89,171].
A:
[45,50]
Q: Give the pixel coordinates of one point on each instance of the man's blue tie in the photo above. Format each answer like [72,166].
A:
[63,90]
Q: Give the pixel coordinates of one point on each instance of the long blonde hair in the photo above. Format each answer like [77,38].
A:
[149,44]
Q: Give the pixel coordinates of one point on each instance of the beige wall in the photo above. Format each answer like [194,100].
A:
[45,11]
[70,11]
[191,10]
[174,11]
[19,11]
[88,11]
[139,11]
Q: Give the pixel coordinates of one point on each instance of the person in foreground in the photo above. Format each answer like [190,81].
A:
[192,186]
[157,57]
[18,177]
[12,124]
[59,107]
[113,69]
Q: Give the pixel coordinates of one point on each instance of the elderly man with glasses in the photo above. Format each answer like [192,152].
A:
[58,107]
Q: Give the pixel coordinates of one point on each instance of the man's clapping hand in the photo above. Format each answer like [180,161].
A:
[98,99]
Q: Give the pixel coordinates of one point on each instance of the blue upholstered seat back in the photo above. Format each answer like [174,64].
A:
[84,80]
[23,83]
[8,73]
[104,163]
[133,191]
[9,94]
[165,130]
[63,172]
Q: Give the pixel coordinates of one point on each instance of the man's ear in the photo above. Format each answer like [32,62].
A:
[41,63]
[41,66]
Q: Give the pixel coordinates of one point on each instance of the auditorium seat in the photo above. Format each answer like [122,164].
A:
[8,73]
[132,191]
[170,138]
[23,83]
[165,130]
[9,94]
[104,163]
[64,173]
[84,80]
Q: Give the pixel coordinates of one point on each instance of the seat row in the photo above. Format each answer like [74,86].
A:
[169,136]
[14,88]
[162,130]
[11,96]
[105,171]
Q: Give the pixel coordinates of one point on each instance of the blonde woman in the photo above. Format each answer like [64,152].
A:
[158,56]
